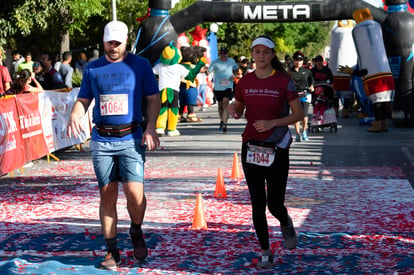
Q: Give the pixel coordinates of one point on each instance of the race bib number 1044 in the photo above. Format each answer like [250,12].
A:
[114,104]
[261,156]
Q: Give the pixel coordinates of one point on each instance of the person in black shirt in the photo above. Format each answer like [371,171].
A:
[304,85]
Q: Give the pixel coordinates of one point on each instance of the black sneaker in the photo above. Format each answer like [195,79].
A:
[140,248]
[112,261]
[266,260]
[289,234]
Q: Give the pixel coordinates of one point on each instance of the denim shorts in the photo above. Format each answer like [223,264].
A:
[118,161]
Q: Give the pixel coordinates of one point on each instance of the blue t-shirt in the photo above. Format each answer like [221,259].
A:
[223,72]
[118,89]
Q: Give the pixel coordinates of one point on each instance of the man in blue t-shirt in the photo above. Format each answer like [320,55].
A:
[224,70]
[119,82]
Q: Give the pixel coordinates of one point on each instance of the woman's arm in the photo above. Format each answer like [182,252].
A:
[295,115]
[36,89]
[236,109]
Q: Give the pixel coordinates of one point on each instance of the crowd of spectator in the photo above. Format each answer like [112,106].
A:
[26,74]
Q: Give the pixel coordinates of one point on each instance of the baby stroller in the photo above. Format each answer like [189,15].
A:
[323,115]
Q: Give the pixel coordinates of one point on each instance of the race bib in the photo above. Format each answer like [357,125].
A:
[261,156]
[225,82]
[114,105]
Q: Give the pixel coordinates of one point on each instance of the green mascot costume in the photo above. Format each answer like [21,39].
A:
[170,73]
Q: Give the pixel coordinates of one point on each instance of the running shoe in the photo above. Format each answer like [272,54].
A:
[174,133]
[224,128]
[266,260]
[305,136]
[112,261]
[160,132]
[289,234]
[298,138]
[140,248]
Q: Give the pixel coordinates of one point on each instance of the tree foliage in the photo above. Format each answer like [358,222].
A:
[41,25]
[23,22]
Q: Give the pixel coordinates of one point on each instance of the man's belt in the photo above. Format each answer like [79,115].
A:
[120,130]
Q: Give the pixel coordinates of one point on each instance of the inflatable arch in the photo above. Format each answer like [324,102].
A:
[160,28]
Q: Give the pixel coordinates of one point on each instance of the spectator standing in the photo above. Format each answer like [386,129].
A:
[242,70]
[38,70]
[202,78]
[95,55]
[304,86]
[26,64]
[66,69]
[5,78]
[224,69]
[252,66]
[267,96]
[50,72]
[16,60]
[58,62]
[118,142]
[80,64]
[288,62]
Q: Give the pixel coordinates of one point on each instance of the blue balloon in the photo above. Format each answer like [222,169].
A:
[212,42]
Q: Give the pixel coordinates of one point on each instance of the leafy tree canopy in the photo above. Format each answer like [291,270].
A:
[41,25]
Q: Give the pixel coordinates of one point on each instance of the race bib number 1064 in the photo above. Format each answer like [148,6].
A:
[114,104]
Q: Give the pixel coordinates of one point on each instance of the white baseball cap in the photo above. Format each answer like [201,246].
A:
[265,41]
[115,31]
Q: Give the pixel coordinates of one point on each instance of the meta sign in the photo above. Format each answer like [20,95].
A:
[276,12]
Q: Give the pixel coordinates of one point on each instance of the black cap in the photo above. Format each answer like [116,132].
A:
[224,50]
[298,55]
[318,58]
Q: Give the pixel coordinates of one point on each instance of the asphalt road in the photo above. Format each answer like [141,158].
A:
[350,147]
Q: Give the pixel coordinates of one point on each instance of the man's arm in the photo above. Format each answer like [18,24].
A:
[150,137]
[78,111]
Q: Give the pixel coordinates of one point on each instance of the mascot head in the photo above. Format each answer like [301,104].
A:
[192,53]
[170,55]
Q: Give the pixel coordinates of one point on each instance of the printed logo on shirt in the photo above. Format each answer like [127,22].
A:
[261,92]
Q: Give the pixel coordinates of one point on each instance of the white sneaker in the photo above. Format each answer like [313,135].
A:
[174,133]
[160,131]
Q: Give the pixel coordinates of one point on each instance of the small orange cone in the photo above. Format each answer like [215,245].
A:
[220,191]
[199,221]
[235,172]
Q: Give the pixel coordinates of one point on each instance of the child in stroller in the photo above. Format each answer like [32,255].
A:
[323,114]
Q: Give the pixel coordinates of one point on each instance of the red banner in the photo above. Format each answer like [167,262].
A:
[31,126]
[11,144]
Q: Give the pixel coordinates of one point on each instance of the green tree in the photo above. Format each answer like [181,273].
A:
[29,23]
[309,37]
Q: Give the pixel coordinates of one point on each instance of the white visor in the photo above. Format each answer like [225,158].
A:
[263,41]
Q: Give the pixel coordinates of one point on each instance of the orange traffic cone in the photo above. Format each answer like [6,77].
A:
[235,172]
[220,191]
[199,221]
